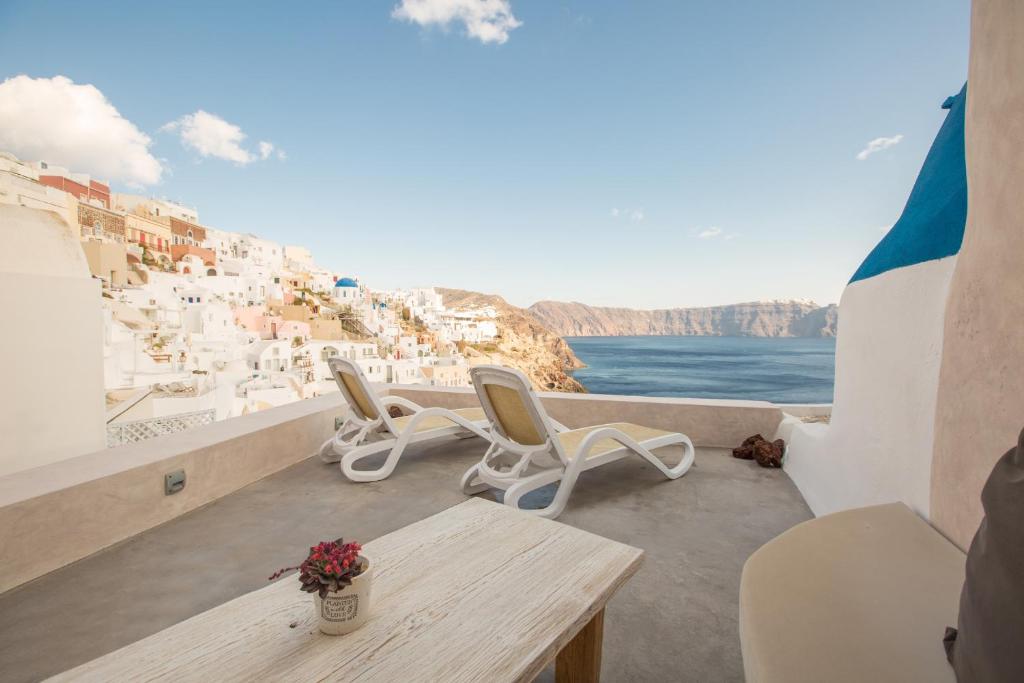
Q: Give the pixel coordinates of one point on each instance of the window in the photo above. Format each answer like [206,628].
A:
[97,228]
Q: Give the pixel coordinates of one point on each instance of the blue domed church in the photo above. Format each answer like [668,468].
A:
[346,290]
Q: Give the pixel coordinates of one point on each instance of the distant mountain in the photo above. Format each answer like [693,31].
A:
[755,319]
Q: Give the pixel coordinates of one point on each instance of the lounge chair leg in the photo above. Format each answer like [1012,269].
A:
[335,448]
[516,492]
[327,452]
[471,483]
[354,456]
[684,465]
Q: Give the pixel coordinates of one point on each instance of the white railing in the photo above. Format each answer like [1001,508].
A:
[122,433]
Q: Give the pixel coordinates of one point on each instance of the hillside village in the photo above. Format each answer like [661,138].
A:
[202,324]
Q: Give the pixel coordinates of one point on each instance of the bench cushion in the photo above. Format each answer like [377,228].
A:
[859,595]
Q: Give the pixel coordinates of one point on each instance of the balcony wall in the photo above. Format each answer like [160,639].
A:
[708,422]
[81,505]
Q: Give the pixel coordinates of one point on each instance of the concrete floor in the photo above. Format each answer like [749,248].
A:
[676,620]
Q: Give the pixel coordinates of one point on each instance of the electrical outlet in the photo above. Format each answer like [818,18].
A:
[174,482]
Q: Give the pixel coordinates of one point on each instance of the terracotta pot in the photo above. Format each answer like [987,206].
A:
[346,610]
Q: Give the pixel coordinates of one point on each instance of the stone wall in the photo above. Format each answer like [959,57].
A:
[182,228]
[112,223]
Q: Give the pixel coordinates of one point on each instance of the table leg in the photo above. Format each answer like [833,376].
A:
[580,660]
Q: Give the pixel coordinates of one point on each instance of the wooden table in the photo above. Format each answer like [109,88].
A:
[479,592]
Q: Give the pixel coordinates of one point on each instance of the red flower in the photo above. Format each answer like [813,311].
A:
[329,567]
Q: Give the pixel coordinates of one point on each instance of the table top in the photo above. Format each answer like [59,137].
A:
[477,592]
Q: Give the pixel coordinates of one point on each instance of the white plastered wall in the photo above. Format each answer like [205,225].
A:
[51,404]
[878,447]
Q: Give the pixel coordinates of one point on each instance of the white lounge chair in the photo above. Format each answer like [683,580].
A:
[528,451]
[370,430]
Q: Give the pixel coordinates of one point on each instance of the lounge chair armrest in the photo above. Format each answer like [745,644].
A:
[601,433]
[401,402]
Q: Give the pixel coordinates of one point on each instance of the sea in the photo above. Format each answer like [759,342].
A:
[780,370]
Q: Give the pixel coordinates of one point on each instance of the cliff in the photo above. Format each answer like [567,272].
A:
[524,343]
[756,319]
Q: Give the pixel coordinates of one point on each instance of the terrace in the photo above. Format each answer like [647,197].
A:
[255,496]
[95,556]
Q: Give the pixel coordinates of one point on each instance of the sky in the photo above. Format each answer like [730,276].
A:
[648,154]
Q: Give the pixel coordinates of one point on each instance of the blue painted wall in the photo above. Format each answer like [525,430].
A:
[932,223]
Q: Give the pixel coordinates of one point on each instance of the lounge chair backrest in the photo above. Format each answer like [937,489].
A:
[357,390]
[511,405]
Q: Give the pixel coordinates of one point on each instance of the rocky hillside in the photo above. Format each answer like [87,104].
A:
[756,319]
[524,343]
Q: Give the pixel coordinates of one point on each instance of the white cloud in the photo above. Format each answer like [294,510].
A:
[73,125]
[212,136]
[877,145]
[489,21]
[633,215]
[713,233]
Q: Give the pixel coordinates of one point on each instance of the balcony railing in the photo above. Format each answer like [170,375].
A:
[139,430]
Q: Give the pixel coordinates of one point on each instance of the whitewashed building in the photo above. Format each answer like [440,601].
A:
[261,252]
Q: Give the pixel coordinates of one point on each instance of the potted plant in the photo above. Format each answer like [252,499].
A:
[339,577]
